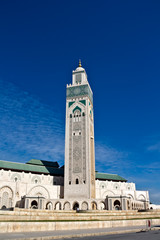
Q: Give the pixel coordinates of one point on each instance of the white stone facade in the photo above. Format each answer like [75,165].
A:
[136,199]
[14,186]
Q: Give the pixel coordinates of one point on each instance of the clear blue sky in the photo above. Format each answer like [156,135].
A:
[119,45]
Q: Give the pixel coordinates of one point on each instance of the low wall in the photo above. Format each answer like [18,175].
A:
[75,218]
[38,215]
[6,227]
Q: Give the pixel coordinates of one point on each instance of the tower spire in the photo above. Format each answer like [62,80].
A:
[80,65]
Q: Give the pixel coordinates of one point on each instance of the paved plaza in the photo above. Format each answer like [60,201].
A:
[128,233]
[154,235]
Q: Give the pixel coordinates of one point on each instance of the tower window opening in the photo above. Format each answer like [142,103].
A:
[79,133]
[84,181]
[69,182]
[77,181]
[70,115]
[83,114]
[77,116]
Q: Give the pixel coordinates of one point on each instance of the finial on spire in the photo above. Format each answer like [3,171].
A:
[80,65]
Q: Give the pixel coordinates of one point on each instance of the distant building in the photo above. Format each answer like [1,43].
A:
[44,185]
[154,206]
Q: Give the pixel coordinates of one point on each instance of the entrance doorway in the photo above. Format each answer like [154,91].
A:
[75,206]
[117,205]
[34,204]
[94,206]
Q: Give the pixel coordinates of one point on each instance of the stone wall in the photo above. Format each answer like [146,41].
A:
[53,226]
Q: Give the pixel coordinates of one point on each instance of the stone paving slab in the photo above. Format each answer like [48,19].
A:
[47,235]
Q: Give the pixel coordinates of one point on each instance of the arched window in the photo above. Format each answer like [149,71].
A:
[77,181]
[77,116]
[15,179]
[5,197]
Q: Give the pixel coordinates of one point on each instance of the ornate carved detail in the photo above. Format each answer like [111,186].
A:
[16,176]
[84,206]
[76,126]
[7,196]
[77,144]
[77,154]
[39,191]
[36,179]
[8,190]
[82,90]
[84,149]
[70,149]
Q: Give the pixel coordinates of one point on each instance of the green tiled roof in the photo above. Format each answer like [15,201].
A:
[31,168]
[41,166]
[43,163]
[106,176]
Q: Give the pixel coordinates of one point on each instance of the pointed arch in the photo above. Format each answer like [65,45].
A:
[75,205]
[84,206]
[108,193]
[39,191]
[57,206]
[77,108]
[6,194]
[67,206]
[49,206]
[141,197]
[93,205]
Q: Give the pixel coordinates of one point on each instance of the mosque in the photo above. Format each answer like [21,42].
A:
[40,184]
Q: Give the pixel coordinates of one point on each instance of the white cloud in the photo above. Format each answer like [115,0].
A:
[152,166]
[110,159]
[28,128]
[154,147]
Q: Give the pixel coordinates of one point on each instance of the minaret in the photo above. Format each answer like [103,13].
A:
[79,139]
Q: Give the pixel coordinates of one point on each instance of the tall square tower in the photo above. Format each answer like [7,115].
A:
[79,139]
